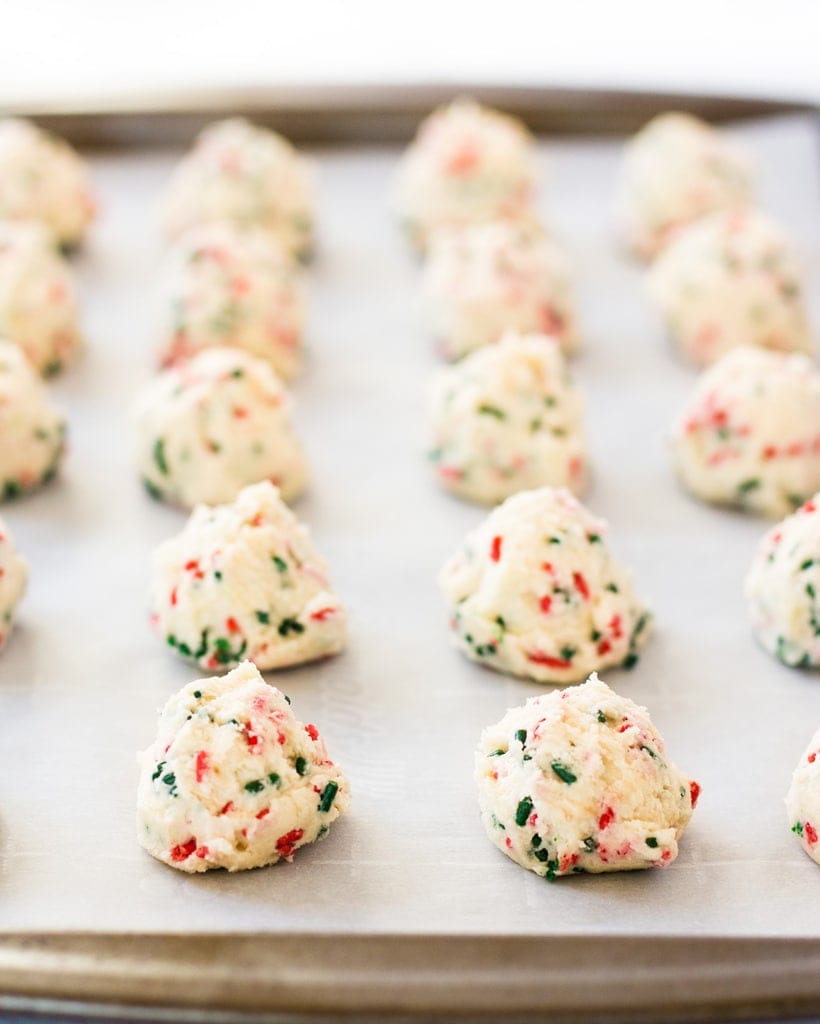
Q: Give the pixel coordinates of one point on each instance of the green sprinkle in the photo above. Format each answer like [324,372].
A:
[290,626]
[301,766]
[159,456]
[263,617]
[594,538]
[280,563]
[256,786]
[492,410]
[554,540]
[648,750]
[797,828]
[217,574]
[171,640]
[631,660]
[590,844]
[748,485]
[535,425]
[541,855]
[595,636]
[568,653]
[12,489]
[198,694]
[602,717]
[535,842]
[652,842]
[521,736]
[328,796]
[807,564]
[158,772]
[523,811]
[202,650]
[274,779]
[612,588]
[497,753]
[500,622]
[238,374]
[552,870]
[184,650]
[563,773]
[150,487]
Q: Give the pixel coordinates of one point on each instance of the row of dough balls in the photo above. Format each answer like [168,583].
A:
[239,214]
[726,274]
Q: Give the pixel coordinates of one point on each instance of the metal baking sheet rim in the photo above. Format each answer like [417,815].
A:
[316,976]
[366,112]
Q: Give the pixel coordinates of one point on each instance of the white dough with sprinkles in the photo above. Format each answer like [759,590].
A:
[731,279]
[38,300]
[783,588]
[675,170]
[233,779]
[32,432]
[578,781]
[237,287]
[210,426]
[13,581]
[467,164]
[507,418]
[244,581]
[534,591]
[749,435]
[43,179]
[248,176]
[803,799]
[483,281]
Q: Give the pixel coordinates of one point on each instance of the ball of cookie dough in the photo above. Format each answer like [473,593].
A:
[535,591]
[579,781]
[675,170]
[245,581]
[484,280]
[226,286]
[209,426]
[467,165]
[749,435]
[13,580]
[233,779]
[32,432]
[730,279]
[783,588]
[505,419]
[803,799]
[247,175]
[38,302]
[43,179]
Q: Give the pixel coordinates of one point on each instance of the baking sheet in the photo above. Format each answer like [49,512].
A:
[83,677]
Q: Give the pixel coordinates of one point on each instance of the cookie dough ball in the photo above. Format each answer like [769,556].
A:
[534,591]
[208,427]
[803,799]
[13,580]
[783,588]
[238,287]
[506,419]
[247,175]
[750,434]
[32,432]
[675,170]
[484,280]
[43,179]
[233,779]
[38,302]
[579,781]
[730,279]
[244,581]
[467,164]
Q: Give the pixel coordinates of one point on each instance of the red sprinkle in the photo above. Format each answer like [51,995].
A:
[232,625]
[183,851]
[546,604]
[604,647]
[495,549]
[201,764]
[606,819]
[581,585]
[202,852]
[810,833]
[173,597]
[508,843]
[322,614]
[228,807]
[263,814]
[312,731]
[547,659]
[812,757]
[694,789]
[286,843]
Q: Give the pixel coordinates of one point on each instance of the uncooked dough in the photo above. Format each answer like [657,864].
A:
[507,418]
[13,581]
[233,779]
[534,591]
[245,581]
[579,781]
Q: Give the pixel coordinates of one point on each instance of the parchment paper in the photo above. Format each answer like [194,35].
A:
[83,677]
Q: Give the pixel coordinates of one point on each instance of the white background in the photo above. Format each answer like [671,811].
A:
[92,53]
